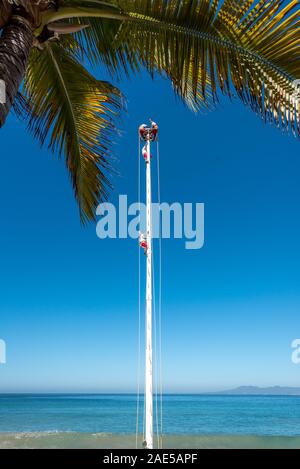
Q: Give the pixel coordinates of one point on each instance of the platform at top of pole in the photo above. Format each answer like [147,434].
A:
[149,133]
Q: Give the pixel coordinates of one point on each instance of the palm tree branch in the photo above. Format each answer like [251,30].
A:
[76,111]
[245,46]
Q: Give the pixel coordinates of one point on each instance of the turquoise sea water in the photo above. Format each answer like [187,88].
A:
[188,421]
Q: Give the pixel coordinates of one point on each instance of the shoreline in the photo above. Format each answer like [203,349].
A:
[75,440]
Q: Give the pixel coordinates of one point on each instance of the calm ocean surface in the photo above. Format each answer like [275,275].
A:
[109,420]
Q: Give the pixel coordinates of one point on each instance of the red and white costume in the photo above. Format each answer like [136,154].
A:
[144,243]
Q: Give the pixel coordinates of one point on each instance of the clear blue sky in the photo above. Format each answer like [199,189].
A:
[68,301]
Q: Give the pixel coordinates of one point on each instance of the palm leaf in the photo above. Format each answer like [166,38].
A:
[76,111]
[246,47]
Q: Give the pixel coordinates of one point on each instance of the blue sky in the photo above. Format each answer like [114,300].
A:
[68,301]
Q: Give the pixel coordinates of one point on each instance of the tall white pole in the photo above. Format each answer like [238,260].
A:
[149,353]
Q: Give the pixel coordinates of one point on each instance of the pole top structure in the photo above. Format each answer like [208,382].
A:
[149,133]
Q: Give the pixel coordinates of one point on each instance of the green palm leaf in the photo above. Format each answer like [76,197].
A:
[244,48]
[76,110]
[250,48]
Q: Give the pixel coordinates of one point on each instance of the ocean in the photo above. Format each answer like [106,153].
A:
[189,421]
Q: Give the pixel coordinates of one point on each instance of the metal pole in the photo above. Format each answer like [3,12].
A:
[149,353]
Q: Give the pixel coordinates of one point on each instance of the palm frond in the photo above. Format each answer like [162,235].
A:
[98,38]
[250,48]
[21,107]
[77,112]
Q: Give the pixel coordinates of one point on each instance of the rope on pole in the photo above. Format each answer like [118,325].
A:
[139,303]
[155,353]
[160,299]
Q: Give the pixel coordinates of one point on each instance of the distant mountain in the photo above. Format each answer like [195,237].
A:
[257,391]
